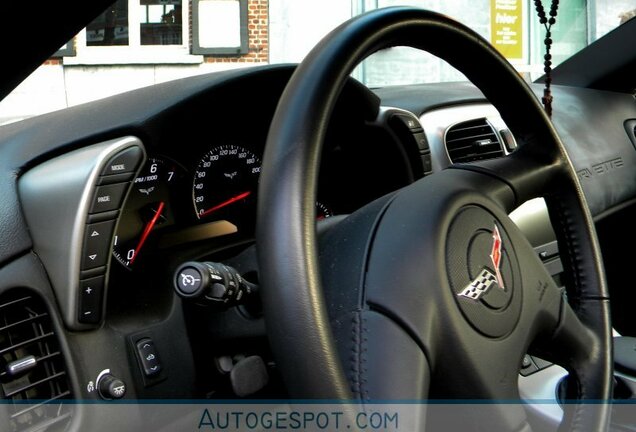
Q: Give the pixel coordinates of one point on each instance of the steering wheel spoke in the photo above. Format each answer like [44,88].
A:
[527,173]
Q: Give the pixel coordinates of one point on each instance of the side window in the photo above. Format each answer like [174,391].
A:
[161,22]
[179,32]
[157,22]
[111,27]
[137,31]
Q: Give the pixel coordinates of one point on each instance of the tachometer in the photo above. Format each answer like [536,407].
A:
[147,208]
[225,182]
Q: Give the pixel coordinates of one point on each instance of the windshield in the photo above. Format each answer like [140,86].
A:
[512,26]
[136,43]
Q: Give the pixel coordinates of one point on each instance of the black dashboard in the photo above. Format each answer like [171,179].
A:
[195,195]
[200,179]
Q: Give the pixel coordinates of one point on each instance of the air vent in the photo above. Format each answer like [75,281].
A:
[471,141]
[33,378]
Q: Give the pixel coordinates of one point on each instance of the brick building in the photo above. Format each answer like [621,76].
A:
[136,43]
[141,42]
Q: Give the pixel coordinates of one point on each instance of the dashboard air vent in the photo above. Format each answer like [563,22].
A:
[33,378]
[471,141]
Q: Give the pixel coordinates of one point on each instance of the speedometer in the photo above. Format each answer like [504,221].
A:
[225,182]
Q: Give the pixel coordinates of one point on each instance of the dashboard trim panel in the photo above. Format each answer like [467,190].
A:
[436,123]
[56,197]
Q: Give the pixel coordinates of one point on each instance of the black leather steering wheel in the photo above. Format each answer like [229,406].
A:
[431,292]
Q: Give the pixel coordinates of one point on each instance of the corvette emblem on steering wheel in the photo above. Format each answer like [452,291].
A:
[480,286]
[483,271]
[495,256]
[486,279]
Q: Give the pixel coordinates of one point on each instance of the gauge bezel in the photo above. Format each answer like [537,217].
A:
[242,190]
[136,201]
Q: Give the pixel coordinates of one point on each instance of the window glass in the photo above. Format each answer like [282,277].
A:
[109,28]
[160,22]
[570,34]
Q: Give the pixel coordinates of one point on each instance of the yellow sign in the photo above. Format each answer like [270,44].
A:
[506,24]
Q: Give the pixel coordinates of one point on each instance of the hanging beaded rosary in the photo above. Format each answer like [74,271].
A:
[547,23]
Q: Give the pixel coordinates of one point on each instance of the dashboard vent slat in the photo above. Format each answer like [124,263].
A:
[32,385]
[24,343]
[24,321]
[33,396]
[472,141]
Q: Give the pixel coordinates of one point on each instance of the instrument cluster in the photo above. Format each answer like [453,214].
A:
[171,203]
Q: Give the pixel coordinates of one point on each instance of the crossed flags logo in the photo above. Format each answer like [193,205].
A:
[486,279]
[480,286]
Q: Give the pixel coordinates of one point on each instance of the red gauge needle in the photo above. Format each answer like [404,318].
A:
[149,226]
[226,203]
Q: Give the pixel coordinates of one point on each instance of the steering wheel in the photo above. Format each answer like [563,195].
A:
[430,292]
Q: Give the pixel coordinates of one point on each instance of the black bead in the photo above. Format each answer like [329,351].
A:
[553,12]
[548,41]
[548,81]
[548,63]
[546,69]
[543,20]
[548,57]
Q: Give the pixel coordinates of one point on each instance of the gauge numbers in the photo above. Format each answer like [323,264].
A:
[147,207]
[225,182]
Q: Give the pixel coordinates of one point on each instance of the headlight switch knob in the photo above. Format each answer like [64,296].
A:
[110,387]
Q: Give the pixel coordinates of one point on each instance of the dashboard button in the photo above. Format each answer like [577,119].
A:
[125,161]
[97,240]
[527,366]
[427,163]
[508,139]
[108,198]
[422,143]
[90,305]
[148,356]
[411,122]
[526,362]
[189,280]
[541,364]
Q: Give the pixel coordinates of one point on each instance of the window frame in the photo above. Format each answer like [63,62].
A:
[221,51]
[66,50]
[135,52]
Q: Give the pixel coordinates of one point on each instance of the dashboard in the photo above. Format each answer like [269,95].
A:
[194,194]
[207,192]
